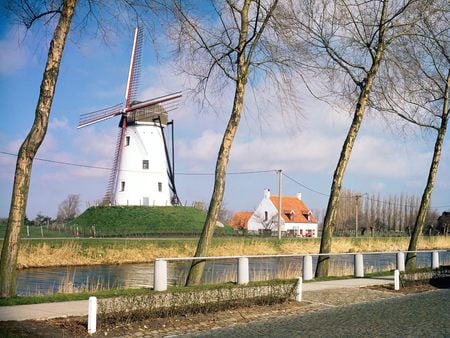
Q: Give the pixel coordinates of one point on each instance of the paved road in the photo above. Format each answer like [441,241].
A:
[417,315]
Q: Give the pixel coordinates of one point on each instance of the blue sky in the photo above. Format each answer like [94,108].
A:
[304,144]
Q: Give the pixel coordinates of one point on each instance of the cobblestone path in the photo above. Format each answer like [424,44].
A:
[417,315]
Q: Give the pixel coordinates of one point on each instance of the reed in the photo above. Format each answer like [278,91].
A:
[94,252]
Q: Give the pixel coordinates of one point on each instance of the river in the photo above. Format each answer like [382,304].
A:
[90,278]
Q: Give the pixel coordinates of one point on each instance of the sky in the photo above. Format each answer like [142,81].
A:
[304,141]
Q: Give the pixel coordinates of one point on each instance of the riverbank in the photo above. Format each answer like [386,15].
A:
[72,252]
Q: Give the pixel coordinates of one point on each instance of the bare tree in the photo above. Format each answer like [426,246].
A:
[348,41]
[69,208]
[416,88]
[31,145]
[231,43]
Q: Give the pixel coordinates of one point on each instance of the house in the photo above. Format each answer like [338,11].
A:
[296,219]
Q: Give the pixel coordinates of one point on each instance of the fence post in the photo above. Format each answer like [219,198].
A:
[400,261]
[160,275]
[92,315]
[435,260]
[243,272]
[299,290]
[396,280]
[359,265]
[307,267]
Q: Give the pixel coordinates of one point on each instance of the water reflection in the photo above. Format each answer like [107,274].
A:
[87,278]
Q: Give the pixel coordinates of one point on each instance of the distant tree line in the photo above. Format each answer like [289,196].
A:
[376,213]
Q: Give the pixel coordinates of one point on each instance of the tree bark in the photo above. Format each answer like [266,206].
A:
[198,266]
[323,262]
[28,150]
[411,257]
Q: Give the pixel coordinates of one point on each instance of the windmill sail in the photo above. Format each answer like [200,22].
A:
[99,115]
[134,73]
[130,94]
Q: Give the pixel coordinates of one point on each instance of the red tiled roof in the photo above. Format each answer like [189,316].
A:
[293,204]
[240,219]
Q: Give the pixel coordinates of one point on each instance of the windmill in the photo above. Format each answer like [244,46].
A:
[142,171]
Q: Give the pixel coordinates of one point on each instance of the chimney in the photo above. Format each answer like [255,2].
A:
[299,196]
[267,193]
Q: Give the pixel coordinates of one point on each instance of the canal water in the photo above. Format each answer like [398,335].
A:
[90,278]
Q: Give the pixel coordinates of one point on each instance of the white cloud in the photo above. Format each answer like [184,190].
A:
[56,123]
[13,56]
[201,152]
[381,157]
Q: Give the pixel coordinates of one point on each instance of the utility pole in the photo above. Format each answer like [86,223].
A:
[279,203]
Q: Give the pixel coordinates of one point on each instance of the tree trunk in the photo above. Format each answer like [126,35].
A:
[198,266]
[28,150]
[323,262]
[426,197]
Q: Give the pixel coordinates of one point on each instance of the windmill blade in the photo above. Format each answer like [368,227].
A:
[99,115]
[168,102]
[134,74]
[112,184]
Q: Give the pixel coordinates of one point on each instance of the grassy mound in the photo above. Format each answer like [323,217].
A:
[111,221]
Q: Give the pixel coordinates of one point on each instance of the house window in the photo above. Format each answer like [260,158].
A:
[122,186]
[144,164]
[266,216]
[159,186]
[127,141]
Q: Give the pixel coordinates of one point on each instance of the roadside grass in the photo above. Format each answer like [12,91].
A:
[35,232]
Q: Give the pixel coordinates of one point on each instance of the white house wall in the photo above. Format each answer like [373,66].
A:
[266,205]
[136,185]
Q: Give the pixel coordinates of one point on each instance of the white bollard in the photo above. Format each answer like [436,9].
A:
[396,280]
[243,272]
[435,260]
[92,315]
[359,265]
[307,267]
[160,276]
[400,261]
[299,290]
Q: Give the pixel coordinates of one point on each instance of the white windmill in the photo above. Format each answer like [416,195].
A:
[142,173]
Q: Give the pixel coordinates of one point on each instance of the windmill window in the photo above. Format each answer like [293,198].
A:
[127,141]
[159,186]
[122,186]
[144,164]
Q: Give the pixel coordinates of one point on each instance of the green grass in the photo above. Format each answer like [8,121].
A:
[120,221]
[35,232]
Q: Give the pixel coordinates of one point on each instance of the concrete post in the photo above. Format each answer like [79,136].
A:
[396,280]
[92,315]
[160,276]
[359,265]
[307,267]
[299,290]
[243,271]
[435,260]
[400,261]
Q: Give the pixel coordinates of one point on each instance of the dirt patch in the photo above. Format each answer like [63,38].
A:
[182,324]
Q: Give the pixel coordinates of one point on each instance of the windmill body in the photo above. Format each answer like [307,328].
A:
[142,177]
[142,173]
